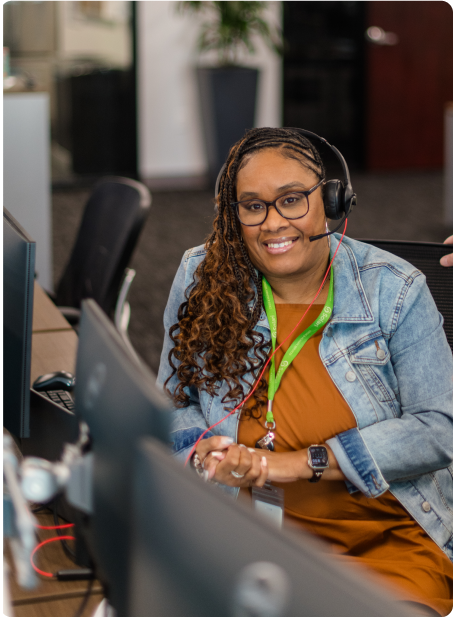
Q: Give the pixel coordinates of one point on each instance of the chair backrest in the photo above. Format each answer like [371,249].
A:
[111,223]
[425,257]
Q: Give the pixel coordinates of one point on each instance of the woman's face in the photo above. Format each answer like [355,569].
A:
[267,176]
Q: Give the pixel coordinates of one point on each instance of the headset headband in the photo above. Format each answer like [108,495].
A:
[348,191]
[340,157]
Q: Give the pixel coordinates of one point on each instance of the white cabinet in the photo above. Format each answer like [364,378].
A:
[26,172]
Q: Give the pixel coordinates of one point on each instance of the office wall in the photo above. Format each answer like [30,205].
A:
[106,38]
[169,133]
[59,32]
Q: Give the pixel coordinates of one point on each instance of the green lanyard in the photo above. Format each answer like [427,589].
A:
[296,346]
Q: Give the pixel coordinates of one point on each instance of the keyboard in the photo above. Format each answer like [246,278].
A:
[60,397]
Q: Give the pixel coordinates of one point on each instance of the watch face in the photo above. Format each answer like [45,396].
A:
[318,456]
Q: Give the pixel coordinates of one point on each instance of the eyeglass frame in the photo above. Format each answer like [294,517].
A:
[268,204]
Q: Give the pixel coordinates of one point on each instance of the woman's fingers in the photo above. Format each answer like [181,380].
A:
[209,467]
[212,444]
[245,461]
[259,471]
[264,472]
[447,260]
[232,464]
[255,469]
[241,467]
[210,463]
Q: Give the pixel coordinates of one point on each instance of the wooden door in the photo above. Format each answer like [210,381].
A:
[408,84]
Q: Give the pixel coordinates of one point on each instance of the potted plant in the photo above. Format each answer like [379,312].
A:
[228,90]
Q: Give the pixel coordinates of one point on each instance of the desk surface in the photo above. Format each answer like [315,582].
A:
[54,342]
[53,351]
[46,316]
[54,347]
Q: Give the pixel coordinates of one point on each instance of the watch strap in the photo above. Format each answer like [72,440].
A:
[316,477]
[317,471]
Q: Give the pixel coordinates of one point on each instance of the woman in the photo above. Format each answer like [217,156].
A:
[374,386]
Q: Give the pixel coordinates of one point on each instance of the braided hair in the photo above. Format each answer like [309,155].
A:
[215,331]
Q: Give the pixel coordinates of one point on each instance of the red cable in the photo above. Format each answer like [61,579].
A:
[55,526]
[48,574]
[272,355]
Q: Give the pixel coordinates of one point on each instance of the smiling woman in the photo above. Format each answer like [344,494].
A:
[278,244]
[350,396]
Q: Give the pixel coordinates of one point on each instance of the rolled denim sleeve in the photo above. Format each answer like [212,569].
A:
[358,464]
[420,441]
[188,423]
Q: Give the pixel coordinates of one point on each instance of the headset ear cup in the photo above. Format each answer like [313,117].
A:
[334,199]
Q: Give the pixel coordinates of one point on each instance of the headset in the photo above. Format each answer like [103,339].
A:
[339,197]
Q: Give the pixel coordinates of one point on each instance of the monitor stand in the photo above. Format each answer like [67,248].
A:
[51,427]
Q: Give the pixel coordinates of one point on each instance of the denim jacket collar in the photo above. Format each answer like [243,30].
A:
[350,302]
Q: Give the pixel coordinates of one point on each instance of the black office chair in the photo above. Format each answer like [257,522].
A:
[111,224]
[425,257]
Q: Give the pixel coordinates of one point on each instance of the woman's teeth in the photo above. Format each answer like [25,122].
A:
[280,244]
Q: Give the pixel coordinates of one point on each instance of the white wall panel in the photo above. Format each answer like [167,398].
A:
[170,133]
[26,172]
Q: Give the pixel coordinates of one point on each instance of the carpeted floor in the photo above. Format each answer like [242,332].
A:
[404,206]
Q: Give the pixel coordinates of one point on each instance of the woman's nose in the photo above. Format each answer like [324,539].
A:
[274,220]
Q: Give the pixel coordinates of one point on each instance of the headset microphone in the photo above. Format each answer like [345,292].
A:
[313,238]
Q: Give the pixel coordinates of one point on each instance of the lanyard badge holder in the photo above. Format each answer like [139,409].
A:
[267,442]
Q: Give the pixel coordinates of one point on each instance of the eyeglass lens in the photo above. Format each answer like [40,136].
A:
[291,206]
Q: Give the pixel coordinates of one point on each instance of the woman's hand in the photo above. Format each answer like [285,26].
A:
[220,457]
[292,466]
[213,444]
[447,260]
[233,465]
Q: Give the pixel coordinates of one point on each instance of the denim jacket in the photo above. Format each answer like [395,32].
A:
[400,390]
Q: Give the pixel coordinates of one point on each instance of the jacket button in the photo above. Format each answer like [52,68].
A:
[426,507]
[380,354]
[351,376]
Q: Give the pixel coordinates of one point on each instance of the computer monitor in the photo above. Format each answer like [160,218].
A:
[19,254]
[196,553]
[115,394]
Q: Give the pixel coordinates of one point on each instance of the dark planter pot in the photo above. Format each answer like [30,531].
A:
[228,102]
[103,123]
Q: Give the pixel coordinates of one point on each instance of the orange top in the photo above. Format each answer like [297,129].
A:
[379,533]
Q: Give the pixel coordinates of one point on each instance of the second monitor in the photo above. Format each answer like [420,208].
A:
[195,553]
[117,398]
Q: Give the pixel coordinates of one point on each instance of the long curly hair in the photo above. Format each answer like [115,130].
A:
[215,331]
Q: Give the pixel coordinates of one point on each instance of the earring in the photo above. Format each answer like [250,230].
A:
[327,231]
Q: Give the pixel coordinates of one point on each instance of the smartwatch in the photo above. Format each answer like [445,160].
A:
[318,460]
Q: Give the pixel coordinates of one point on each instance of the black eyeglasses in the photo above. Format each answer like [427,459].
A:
[291,206]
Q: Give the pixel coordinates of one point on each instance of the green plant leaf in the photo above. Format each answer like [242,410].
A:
[230,26]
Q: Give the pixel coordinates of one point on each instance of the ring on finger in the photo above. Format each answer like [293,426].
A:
[235,474]
[197,464]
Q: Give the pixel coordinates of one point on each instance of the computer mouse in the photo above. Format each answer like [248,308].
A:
[60,380]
